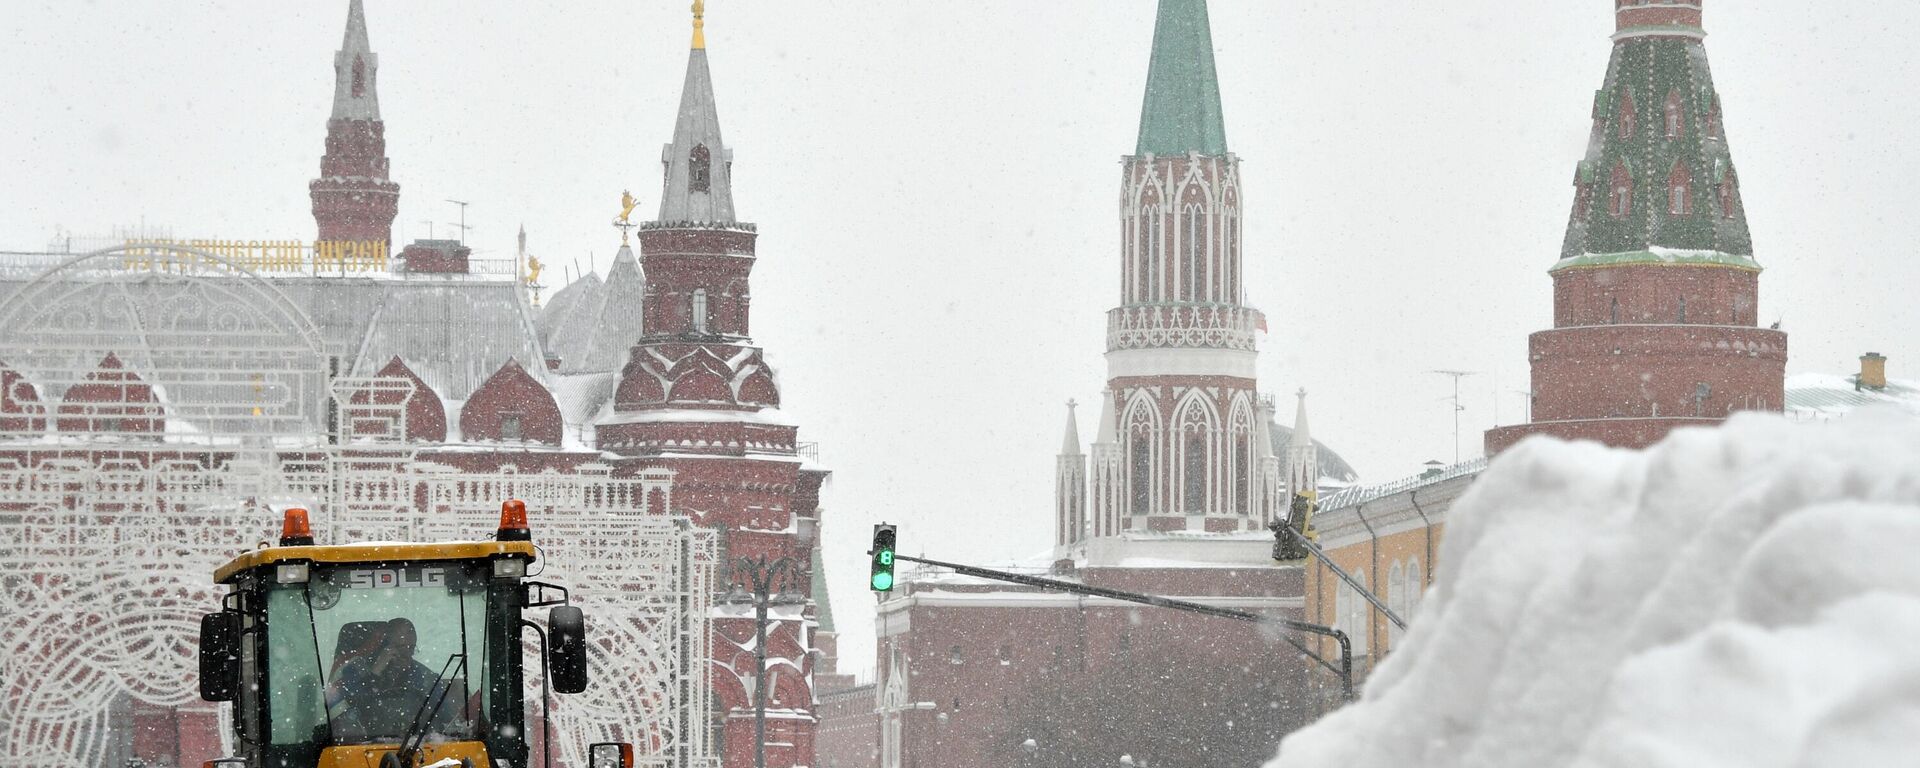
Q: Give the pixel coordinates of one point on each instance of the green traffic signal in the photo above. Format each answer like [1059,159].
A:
[882,551]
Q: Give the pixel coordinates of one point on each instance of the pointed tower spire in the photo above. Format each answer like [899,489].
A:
[354,69]
[699,167]
[1071,445]
[1070,488]
[1108,431]
[1300,435]
[353,200]
[1181,112]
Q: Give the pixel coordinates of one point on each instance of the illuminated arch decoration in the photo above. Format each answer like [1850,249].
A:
[107,545]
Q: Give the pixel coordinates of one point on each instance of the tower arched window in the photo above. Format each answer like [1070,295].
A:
[359,76]
[699,310]
[1194,492]
[1727,196]
[1156,255]
[1676,118]
[1627,114]
[1683,309]
[1713,119]
[1679,190]
[700,169]
[1196,234]
[1230,235]
[1140,473]
[1613,312]
[1620,200]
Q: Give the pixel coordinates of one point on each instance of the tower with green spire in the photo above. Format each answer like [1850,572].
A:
[1183,402]
[1656,292]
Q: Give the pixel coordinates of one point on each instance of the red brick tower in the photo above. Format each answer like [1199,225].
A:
[696,396]
[353,201]
[1180,347]
[1656,294]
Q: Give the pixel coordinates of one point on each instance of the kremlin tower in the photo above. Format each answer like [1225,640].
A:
[697,397]
[353,201]
[1179,444]
[1656,300]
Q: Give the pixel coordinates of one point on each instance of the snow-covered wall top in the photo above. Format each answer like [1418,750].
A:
[1742,596]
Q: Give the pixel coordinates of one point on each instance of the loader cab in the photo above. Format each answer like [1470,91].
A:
[384,654]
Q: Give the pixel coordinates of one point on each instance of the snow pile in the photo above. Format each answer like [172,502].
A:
[1744,596]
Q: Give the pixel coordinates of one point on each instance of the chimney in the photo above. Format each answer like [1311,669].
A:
[445,257]
[1873,371]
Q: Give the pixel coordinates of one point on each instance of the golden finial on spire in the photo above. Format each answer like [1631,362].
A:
[699,14]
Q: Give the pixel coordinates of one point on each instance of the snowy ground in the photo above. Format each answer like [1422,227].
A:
[1747,596]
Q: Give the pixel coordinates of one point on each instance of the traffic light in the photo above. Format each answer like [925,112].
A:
[882,552]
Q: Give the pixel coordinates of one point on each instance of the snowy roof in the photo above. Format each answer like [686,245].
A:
[1361,494]
[592,325]
[453,332]
[1332,467]
[1812,396]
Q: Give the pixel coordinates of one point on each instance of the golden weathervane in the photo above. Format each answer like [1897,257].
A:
[627,203]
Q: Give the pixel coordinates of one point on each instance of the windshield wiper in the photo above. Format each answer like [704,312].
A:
[415,738]
[319,664]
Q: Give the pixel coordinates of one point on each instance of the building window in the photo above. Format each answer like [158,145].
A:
[359,77]
[1243,490]
[1156,255]
[1683,309]
[1196,471]
[1196,235]
[1675,118]
[1396,600]
[1141,476]
[1613,311]
[1679,190]
[1620,203]
[700,170]
[1362,616]
[1416,583]
[1582,200]
[1627,116]
[1727,201]
[699,310]
[1231,292]
[1713,119]
[954,657]
[510,427]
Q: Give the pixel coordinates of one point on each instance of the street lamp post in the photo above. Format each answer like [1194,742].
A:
[763,578]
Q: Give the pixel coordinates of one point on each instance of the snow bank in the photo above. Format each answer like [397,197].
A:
[1744,596]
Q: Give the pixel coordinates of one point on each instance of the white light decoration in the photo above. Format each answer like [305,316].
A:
[109,537]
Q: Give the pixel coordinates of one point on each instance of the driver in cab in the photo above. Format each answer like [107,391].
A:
[378,685]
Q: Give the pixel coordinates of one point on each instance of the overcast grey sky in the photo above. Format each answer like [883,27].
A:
[936,185]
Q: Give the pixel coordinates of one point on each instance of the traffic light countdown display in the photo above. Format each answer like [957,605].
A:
[882,552]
